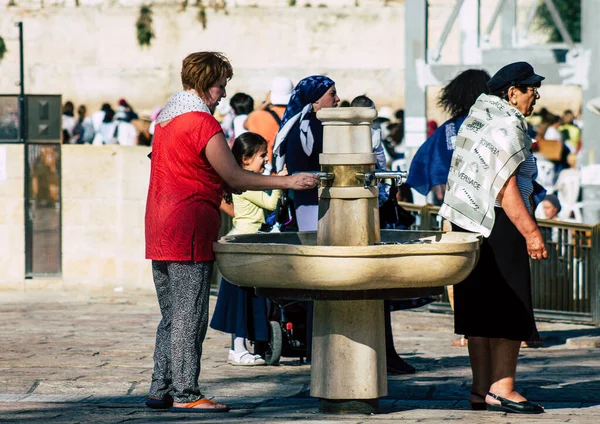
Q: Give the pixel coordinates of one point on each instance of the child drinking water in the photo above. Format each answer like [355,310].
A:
[239,311]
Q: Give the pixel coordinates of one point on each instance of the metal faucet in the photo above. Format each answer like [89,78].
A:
[319,174]
[382,174]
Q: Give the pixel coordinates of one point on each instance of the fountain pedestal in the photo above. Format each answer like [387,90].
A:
[348,370]
[345,269]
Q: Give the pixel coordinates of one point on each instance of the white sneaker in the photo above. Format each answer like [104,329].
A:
[245,359]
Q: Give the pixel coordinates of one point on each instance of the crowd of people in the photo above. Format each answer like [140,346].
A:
[105,126]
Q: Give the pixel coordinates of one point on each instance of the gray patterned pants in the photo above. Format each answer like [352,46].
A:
[183,289]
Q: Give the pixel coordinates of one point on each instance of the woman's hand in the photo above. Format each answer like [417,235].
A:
[283,172]
[302,181]
[535,246]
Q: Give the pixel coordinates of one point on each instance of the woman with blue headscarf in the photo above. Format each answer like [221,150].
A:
[300,140]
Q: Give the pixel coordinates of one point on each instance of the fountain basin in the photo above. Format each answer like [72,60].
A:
[295,261]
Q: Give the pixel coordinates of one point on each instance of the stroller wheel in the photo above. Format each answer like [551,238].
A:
[275,344]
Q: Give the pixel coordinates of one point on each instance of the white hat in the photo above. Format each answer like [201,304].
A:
[386,112]
[281,91]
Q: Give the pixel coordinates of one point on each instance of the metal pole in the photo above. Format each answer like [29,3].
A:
[560,25]
[531,14]
[21,86]
[595,275]
[494,18]
[447,28]
[23,139]
[509,24]
[590,33]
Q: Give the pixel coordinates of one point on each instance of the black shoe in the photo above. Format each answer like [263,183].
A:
[506,405]
[478,406]
[396,365]
[164,403]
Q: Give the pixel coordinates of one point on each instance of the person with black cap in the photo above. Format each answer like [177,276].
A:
[488,191]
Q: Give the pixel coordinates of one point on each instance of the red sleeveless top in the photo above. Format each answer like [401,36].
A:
[182,209]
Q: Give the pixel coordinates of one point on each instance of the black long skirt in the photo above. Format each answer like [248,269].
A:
[495,300]
[240,312]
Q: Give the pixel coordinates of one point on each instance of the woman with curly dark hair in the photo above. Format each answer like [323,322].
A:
[431,164]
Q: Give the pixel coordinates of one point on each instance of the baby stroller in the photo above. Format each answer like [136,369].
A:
[287,326]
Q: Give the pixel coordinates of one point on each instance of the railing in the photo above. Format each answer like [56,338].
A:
[566,284]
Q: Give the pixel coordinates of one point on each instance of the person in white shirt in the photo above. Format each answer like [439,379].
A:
[242,105]
[126,134]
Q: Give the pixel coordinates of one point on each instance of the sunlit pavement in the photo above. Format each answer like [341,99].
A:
[87,357]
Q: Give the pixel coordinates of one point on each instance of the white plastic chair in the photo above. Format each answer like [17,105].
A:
[545,174]
[567,187]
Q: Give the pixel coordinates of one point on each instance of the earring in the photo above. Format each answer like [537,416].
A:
[513,101]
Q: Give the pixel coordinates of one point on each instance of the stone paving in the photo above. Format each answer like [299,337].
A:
[87,358]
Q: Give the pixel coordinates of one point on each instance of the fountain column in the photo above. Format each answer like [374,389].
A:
[348,372]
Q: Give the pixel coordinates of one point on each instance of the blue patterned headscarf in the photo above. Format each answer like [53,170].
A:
[308,91]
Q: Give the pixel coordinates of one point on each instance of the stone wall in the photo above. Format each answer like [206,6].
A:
[12,214]
[104,198]
[104,192]
[90,54]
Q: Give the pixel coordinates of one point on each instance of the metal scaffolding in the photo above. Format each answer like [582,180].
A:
[561,63]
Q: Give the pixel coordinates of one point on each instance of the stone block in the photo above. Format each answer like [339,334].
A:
[132,214]
[16,238]
[13,267]
[74,212]
[135,189]
[76,268]
[89,162]
[14,161]
[12,397]
[5,247]
[76,188]
[81,388]
[105,269]
[136,273]
[43,284]
[133,243]
[136,164]
[103,241]
[584,342]
[14,210]
[102,214]
[12,189]
[54,398]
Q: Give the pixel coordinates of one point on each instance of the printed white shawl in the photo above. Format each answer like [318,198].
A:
[490,146]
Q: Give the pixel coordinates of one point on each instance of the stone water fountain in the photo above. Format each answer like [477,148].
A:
[348,266]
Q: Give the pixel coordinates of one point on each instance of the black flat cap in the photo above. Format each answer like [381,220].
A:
[518,73]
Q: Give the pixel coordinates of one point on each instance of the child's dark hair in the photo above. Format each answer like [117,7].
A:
[245,147]
[242,104]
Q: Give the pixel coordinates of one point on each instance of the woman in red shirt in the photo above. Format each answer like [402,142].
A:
[191,163]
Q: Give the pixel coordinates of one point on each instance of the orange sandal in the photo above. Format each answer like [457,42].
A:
[460,342]
[191,407]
